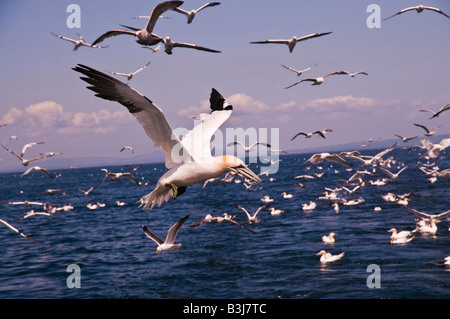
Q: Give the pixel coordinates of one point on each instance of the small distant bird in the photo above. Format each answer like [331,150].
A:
[405,139]
[16,230]
[86,192]
[37,168]
[309,135]
[248,149]
[355,74]
[191,14]
[292,41]
[145,36]
[167,244]
[127,148]
[418,9]
[116,176]
[436,114]
[219,219]
[298,72]
[317,81]
[169,45]
[129,76]
[320,157]
[327,257]
[78,43]
[252,218]
[428,132]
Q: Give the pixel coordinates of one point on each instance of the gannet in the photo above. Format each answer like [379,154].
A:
[292,41]
[252,219]
[286,195]
[145,36]
[168,244]
[309,206]
[426,216]
[372,160]
[275,212]
[405,139]
[16,230]
[266,199]
[401,237]
[320,157]
[127,148]
[329,239]
[355,73]
[191,13]
[219,219]
[86,192]
[78,43]
[425,228]
[392,176]
[317,81]
[418,9]
[309,135]
[37,168]
[20,156]
[327,257]
[130,75]
[434,149]
[189,161]
[169,45]
[298,72]
[436,114]
[116,176]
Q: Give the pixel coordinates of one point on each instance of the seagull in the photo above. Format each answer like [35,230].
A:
[168,244]
[219,219]
[419,9]
[117,176]
[33,213]
[298,72]
[252,219]
[327,257]
[248,149]
[317,81]
[436,114]
[428,132]
[435,149]
[292,41]
[20,156]
[145,36]
[191,14]
[127,148]
[426,216]
[78,43]
[405,139]
[329,239]
[37,168]
[130,75]
[320,157]
[169,45]
[355,74]
[401,237]
[392,176]
[309,135]
[189,161]
[372,160]
[16,230]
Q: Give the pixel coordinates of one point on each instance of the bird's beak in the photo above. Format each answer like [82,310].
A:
[246,172]
[158,251]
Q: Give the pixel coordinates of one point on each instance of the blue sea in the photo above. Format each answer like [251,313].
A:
[104,253]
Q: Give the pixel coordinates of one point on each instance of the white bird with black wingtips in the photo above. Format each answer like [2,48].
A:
[169,242]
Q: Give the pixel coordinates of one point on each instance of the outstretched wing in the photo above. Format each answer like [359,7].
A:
[173,231]
[158,10]
[149,115]
[152,236]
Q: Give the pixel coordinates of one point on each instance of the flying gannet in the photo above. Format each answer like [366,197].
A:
[130,75]
[252,219]
[298,72]
[292,41]
[189,160]
[317,81]
[78,43]
[167,244]
[418,9]
[169,45]
[191,13]
[436,114]
[145,36]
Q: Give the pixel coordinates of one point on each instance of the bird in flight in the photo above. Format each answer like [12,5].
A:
[169,45]
[130,75]
[309,135]
[317,81]
[292,41]
[168,243]
[78,43]
[298,72]
[436,114]
[418,9]
[191,13]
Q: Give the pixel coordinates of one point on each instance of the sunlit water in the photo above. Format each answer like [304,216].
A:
[117,260]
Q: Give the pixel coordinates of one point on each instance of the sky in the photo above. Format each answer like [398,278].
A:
[43,99]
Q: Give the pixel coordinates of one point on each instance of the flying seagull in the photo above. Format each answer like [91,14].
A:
[298,72]
[145,36]
[20,156]
[130,75]
[418,9]
[189,160]
[355,74]
[169,45]
[292,41]
[248,149]
[317,81]
[428,132]
[127,148]
[252,218]
[168,244]
[309,135]
[37,168]
[436,114]
[405,139]
[78,43]
[191,14]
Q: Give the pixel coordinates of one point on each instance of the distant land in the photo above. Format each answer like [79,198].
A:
[158,156]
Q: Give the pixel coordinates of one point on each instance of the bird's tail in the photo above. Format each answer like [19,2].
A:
[158,196]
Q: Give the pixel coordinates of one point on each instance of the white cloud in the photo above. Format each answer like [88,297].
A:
[347,101]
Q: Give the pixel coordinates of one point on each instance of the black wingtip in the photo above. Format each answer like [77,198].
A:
[217,102]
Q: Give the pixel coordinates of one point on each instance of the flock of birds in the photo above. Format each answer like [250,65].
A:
[195,164]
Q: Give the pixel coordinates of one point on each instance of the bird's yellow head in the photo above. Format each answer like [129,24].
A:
[236,165]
